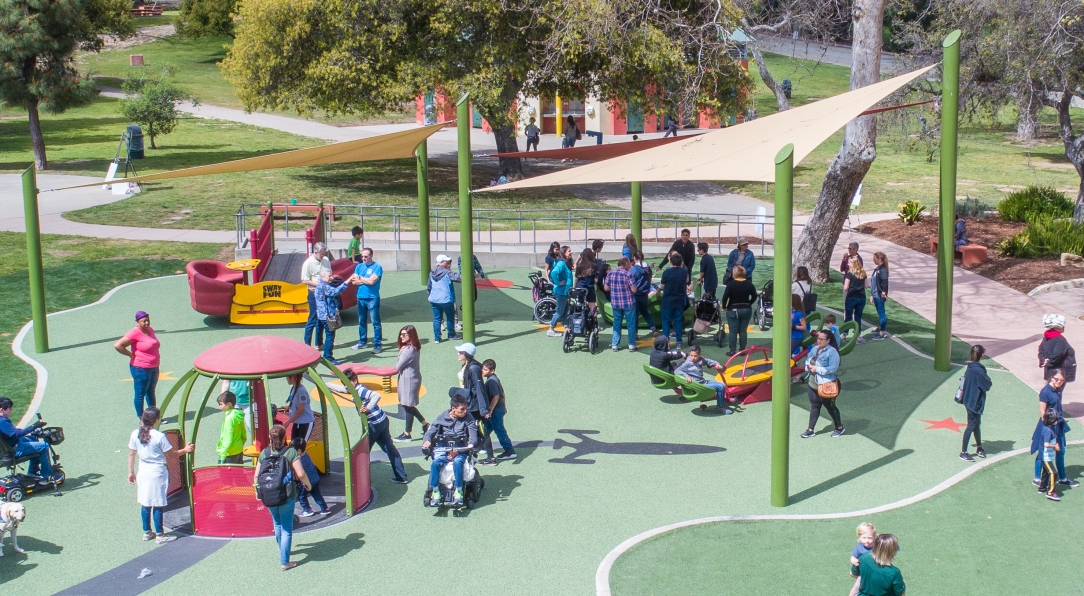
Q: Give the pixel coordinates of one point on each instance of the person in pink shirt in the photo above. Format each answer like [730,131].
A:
[140,345]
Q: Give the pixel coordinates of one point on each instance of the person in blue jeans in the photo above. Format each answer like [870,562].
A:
[442,296]
[451,436]
[623,302]
[675,288]
[560,276]
[367,276]
[310,276]
[640,273]
[693,372]
[497,409]
[23,445]
[854,289]
[327,306]
[878,292]
[283,516]
[1050,399]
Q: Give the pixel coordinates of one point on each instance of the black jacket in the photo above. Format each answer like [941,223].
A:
[662,357]
[1060,354]
[738,294]
[455,432]
[878,284]
[976,383]
[687,252]
[477,397]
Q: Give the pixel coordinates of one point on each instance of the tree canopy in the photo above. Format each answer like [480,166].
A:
[205,17]
[366,56]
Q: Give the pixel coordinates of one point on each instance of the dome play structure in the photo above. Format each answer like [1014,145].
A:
[222,498]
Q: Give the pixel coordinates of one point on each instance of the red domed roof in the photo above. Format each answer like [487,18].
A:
[257,355]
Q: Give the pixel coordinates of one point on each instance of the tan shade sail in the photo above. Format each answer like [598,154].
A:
[745,152]
[397,145]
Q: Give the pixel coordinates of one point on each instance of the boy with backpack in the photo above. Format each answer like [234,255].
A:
[231,441]
[276,468]
[495,418]
[299,445]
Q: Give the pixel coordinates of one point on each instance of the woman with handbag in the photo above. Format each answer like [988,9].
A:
[822,365]
[976,383]
[327,310]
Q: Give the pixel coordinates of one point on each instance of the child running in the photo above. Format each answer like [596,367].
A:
[231,441]
[867,534]
[495,419]
[1049,436]
[313,474]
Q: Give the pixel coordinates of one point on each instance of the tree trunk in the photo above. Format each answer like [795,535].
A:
[1074,149]
[36,140]
[769,80]
[818,238]
[511,167]
[1027,124]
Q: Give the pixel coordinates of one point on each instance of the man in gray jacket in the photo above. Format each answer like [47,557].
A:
[451,436]
[692,370]
[442,296]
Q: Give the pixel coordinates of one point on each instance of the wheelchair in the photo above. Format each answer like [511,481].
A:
[15,486]
[581,322]
[473,483]
[544,302]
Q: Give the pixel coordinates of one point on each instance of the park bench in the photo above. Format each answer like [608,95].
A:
[147,11]
[971,254]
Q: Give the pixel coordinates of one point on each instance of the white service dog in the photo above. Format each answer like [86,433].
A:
[11,514]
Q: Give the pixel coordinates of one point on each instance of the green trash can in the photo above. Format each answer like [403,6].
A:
[134,136]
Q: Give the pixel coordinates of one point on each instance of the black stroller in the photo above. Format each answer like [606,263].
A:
[707,314]
[581,321]
[763,310]
[544,302]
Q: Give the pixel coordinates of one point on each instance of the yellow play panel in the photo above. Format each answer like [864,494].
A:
[270,303]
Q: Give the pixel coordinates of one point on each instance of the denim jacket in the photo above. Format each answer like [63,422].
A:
[827,363]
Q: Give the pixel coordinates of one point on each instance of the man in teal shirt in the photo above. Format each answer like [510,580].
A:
[367,276]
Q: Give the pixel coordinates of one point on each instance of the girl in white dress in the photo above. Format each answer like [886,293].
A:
[152,482]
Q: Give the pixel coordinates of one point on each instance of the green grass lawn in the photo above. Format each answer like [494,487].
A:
[77,271]
[166,19]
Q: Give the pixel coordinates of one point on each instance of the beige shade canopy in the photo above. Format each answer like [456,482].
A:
[396,145]
[745,152]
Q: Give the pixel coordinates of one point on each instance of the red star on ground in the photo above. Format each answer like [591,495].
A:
[947,424]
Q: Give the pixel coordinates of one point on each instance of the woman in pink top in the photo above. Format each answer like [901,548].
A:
[141,347]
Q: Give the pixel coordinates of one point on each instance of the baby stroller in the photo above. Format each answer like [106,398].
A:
[762,310]
[473,483]
[544,302]
[707,314]
[581,321]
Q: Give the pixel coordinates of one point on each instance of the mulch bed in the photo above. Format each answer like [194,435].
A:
[727,241]
[1022,275]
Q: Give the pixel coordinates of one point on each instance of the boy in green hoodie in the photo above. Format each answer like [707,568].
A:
[232,440]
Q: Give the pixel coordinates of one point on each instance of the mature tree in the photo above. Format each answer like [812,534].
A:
[152,101]
[38,39]
[206,17]
[365,56]
[1025,53]
[845,173]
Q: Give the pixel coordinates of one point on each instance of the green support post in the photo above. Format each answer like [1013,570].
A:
[784,214]
[638,213]
[950,100]
[33,261]
[422,155]
[466,216]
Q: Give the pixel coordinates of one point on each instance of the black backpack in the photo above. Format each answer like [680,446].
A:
[271,487]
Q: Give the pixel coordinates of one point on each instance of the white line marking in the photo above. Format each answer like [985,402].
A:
[43,375]
[602,575]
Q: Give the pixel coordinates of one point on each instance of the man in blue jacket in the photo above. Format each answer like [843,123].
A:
[442,296]
[16,439]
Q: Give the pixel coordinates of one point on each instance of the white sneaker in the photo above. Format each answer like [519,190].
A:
[553,333]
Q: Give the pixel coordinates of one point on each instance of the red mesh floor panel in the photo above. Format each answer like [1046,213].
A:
[173,462]
[362,486]
[225,503]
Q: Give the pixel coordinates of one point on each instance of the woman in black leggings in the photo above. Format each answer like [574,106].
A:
[976,384]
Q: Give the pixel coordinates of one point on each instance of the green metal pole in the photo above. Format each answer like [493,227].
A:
[466,216]
[423,208]
[784,200]
[33,261]
[638,213]
[950,99]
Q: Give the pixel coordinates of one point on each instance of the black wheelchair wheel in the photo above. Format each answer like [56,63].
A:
[592,341]
[720,336]
[15,495]
[567,341]
[544,309]
[691,337]
[763,311]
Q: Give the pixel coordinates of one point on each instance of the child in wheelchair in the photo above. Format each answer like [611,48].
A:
[450,440]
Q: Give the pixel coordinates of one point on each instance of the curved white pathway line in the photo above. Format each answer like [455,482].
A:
[602,575]
[43,375]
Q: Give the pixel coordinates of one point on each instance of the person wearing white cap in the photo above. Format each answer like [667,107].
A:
[472,382]
[1054,350]
[442,296]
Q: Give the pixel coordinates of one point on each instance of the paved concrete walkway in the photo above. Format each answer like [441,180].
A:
[1006,322]
[806,49]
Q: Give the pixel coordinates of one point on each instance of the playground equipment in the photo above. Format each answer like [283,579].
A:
[751,381]
[266,289]
[222,499]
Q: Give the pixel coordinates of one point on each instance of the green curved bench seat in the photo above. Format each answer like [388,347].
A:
[850,328]
[813,318]
[660,379]
[654,310]
[694,391]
